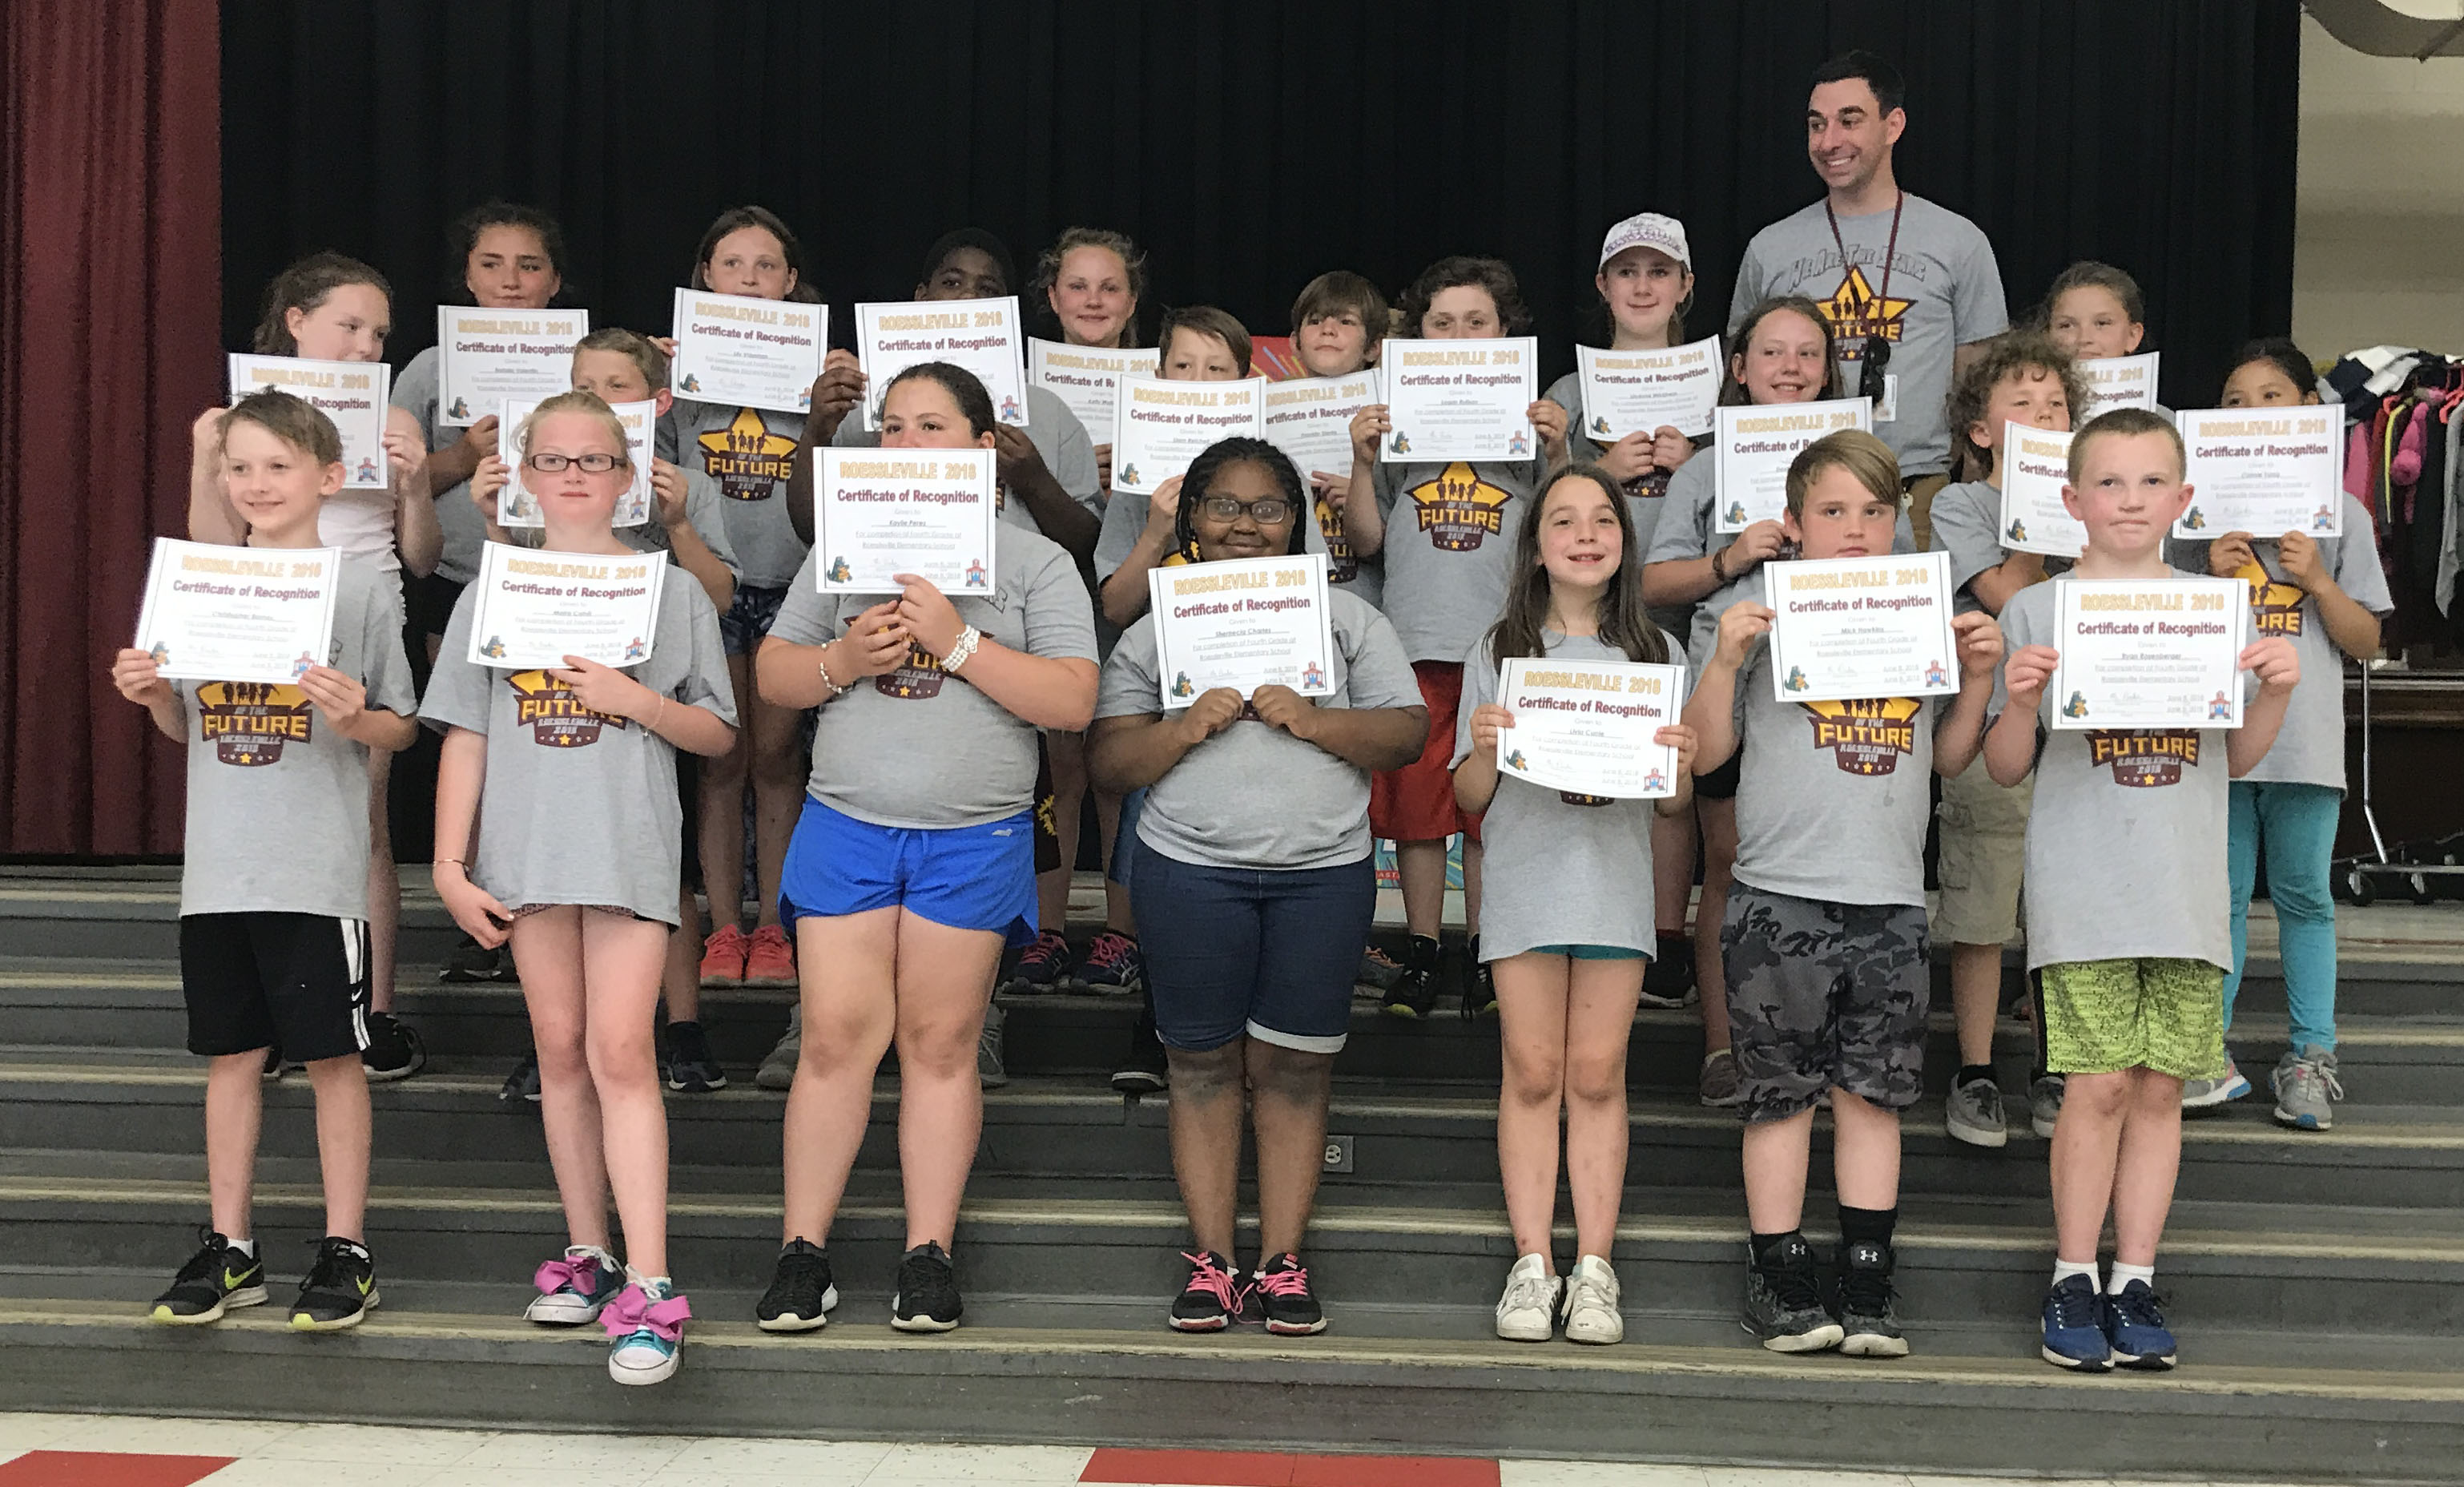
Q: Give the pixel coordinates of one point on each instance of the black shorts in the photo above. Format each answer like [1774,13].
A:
[1047,818]
[296,982]
[428,603]
[1720,784]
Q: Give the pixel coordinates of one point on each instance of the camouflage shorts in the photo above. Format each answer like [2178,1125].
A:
[1824,994]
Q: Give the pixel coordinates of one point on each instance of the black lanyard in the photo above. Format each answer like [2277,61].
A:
[1876,355]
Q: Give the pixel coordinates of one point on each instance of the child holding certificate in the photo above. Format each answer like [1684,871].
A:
[2126,923]
[2326,594]
[330,308]
[914,862]
[1337,323]
[1825,964]
[578,870]
[1442,531]
[274,896]
[1567,922]
[2024,378]
[1091,280]
[1254,878]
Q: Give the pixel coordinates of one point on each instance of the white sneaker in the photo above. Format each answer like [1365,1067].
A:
[1592,1314]
[1528,1311]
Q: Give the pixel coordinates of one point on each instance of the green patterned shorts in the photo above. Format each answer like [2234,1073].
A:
[2155,1012]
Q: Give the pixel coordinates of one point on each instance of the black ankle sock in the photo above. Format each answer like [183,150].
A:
[1420,953]
[1867,1224]
[1969,1074]
[1766,1247]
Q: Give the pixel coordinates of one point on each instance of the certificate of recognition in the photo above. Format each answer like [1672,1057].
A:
[352,393]
[536,608]
[746,352]
[2265,471]
[881,512]
[217,613]
[1309,418]
[1845,629]
[1643,391]
[1159,427]
[1247,623]
[1591,727]
[2117,382]
[1459,399]
[2149,654]
[2035,466]
[1752,449]
[983,336]
[1086,379]
[516,507]
[484,357]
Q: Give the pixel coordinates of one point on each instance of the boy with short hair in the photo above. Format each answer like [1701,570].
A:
[2128,922]
[274,935]
[2018,377]
[1337,323]
[1824,942]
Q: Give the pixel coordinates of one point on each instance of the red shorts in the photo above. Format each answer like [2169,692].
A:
[1417,803]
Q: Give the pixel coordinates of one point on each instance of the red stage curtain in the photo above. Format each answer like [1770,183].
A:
[111,246]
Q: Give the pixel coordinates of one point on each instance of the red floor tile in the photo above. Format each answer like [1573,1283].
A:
[107,1469]
[1392,1472]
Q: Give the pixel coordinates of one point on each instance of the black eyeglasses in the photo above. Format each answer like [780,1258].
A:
[1265,513]
[595,463]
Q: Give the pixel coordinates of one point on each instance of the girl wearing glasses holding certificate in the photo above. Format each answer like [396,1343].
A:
[1254,883]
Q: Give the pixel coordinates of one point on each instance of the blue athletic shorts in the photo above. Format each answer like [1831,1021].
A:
[1234,950]
[965,876]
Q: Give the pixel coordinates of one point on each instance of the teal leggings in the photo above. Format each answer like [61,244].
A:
[2295,825]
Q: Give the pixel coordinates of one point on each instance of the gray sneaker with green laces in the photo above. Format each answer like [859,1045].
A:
[2306,1085]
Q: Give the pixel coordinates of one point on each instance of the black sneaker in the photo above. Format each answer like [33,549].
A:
[523,1082]
[1415,993]
[1784,1302]
[215,1280]
[1212,1299]
[1869,1317]
[692,1068]
[1281,1292]
[341,1289]
[394,1051]
[1145,1070]
[1479,984]
[1668,981]
[928,1292]
[275,1067]
[470,961]
[800,1294]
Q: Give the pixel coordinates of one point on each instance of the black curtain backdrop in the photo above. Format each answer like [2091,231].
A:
[1251,145]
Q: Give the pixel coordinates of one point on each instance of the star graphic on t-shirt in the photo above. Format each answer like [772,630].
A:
[746,458]
[1856,311]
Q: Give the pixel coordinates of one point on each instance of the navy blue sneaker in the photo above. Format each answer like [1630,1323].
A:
[2074,1326]
[2134,1324]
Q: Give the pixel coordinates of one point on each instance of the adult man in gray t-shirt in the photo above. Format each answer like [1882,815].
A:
[1910,287]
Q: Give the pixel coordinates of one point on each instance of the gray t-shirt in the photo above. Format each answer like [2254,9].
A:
[1942,291]
[702,514]
[579,807]
[1967,524]
[1559,868]
[277,800]
[1057,436]
[1253,797]
[1364,578]
[2126,840]
[458,523]
[750,451]
[915,747]
[2309,749]
[1832,798]
[1450,531]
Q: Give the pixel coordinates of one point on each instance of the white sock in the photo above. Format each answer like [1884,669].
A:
[2063,1269]
[2124,1274]
[245,1248]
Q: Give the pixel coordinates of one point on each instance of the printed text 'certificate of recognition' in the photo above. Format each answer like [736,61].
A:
[740,351]
[1085,379]
[1752,447]
[1643,391]
[1251,623]
[353,395]
[1846,629]
[217,613]
[536,607]
[2149,654]
[2265,471]
[484,357]
[2035,466]
[1309,419]
[518,507]
[983,336]
[2117,382]
[1591,727]
[1459,399]
[881,512]
[1159,427]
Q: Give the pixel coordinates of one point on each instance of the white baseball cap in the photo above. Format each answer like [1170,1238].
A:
[1648,230]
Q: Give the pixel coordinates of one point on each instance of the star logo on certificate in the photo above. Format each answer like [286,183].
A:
[1867,735]
[2275,608]
[554,715]
[248,721]
[2142,760]
[1856,312]
[747,459]
[1459,509]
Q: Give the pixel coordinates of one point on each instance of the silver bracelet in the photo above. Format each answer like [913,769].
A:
[821,664]
[962,649]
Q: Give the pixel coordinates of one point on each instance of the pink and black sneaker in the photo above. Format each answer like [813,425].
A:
[1213,1296]
[1113,964]
[1043,965]
[1280,1294]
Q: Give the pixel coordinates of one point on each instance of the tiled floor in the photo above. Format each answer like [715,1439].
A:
[110,1451]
